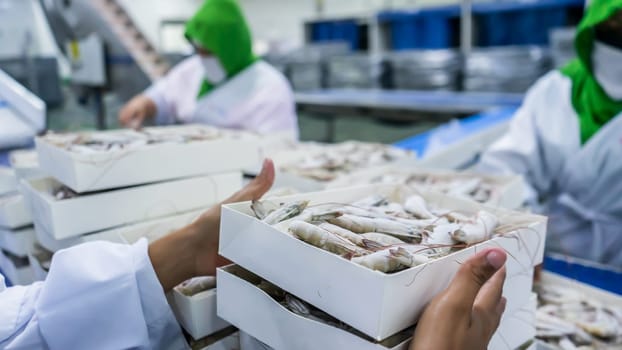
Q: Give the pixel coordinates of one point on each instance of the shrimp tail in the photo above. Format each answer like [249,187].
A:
[372,245]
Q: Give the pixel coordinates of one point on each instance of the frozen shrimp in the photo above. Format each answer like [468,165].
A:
[321,238]
[383,261]
[409,259]
[381,238]
[261,209]
[342,232]
[441,237]
[464,188]
[477,231]
[287,211]
[371,201]
[196,285]
[359,224]
[415,205]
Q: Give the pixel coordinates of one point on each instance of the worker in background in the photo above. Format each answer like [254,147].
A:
[103,295]
[566,140]
[223,84]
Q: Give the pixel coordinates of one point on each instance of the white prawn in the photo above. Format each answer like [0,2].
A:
[287,211]
[415,205]
[321,238]
[481,229]
[360,224]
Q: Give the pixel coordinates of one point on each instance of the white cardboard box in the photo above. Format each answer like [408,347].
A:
[25,163]
[148,164]
[16,269]
[340,287]
[8,181]
[509,194]
[258,314]
[516,328]
[18,242]
[99,211]
[152,230]
[250,309]
[14,213]
[197,313]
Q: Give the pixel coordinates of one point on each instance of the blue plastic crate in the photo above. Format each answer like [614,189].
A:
[338,30]
[501,24]
[423,29]
[603,277]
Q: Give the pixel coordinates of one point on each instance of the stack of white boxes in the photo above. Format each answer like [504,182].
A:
[16,231]
[25,165]
[147,191]
[382,308]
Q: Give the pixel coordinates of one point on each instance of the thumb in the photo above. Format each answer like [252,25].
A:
[473,274]
[258,186]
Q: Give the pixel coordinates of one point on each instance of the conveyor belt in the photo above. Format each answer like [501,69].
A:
[414,101]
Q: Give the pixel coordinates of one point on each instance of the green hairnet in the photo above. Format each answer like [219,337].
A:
[219,26]
[594,107]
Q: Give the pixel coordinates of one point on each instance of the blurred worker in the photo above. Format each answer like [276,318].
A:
[223,84]
[103,295]
[566,140]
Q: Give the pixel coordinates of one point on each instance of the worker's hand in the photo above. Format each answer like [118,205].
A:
[208,225]
[193,250]
[134,113]
[468,312]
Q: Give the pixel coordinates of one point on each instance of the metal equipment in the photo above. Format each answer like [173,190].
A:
[22,114]
[505,69]
[357,71]
[425,69]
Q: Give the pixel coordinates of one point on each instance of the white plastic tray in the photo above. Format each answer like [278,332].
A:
[8,181]
[152,230]
[339,286]
[17,242]
[149,163]
[99,211]
[197,313]
[256,313]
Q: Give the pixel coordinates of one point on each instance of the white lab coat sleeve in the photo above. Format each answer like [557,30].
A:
[279,109]
[520,150]
[97,295]
[160,94]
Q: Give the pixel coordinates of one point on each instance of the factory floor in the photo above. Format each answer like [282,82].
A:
[72,116]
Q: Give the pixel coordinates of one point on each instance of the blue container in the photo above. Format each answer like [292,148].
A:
[338,30]
[424,29]
[521,23]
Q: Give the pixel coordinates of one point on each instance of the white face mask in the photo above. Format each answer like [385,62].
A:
[213,70]
[607,67]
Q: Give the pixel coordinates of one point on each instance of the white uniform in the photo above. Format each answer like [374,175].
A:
[257,99]
[580,185]
[97,296]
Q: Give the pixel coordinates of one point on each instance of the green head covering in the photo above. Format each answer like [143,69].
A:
[219,26]
[594,107]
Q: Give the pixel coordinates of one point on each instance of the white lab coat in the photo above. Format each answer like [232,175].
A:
[97,295]
[580,186]
[258,99]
